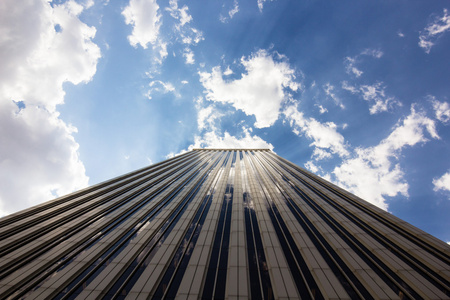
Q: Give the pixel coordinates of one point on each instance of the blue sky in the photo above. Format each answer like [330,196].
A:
[354,91]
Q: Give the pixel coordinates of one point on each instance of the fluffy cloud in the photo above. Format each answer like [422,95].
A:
[189,56]
[212,139]
[441,109]
[37,59]
[207,117]
[371,174]
[41,48]
[442,183]
[375,94]
[433,31]
[38,157]
[144,17]
[259,92]
[326,139]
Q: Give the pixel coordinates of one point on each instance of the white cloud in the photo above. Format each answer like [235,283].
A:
[259,92]
[228,71]
[312,167]
[371,174]
[322,109]
[401,34]
[231,12]
[184,82]
[39,157]
[161,87]
[234,10]
[441,109]
[326,139]
[180,14]
[374,94]
[350,62]
[187,34]
[41,48]
[433,31]
[189,56]
[261,4]
[442,183]
[350,67]
[36,59]
[144,17]
[206,118]
[191,36]
[213,140]
[329,91]
[376,53]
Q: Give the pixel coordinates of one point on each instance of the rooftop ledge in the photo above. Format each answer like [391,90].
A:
[232,149]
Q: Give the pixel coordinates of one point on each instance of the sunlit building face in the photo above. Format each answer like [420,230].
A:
[218,223]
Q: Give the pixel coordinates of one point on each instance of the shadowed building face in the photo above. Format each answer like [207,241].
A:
[218,223]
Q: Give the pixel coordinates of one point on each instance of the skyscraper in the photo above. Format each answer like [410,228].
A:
[218,224]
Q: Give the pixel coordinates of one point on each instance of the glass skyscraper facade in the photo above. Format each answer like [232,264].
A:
[218,223]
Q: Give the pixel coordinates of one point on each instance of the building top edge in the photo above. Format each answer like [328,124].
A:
[230,149]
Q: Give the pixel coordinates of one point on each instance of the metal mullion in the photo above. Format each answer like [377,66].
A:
[36,210]
[181,186]
[198,262]
[333,255]
[380,268]
[265,174]
[343,240]
[254,219]
[130,184]
[170,282]
[211,271]
[407,258]
[162,222]
[34,254]
[118,238]
[385,219]
[224,222]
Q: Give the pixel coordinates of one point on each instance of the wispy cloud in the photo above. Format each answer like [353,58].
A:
[326,139]
[351,68]
[261,4]
[259,92]
[371,173]
[330,92]
[441,109]
[180,14]
[374,94]
[351,62]
[433,31]
[159,86]
[234,10]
